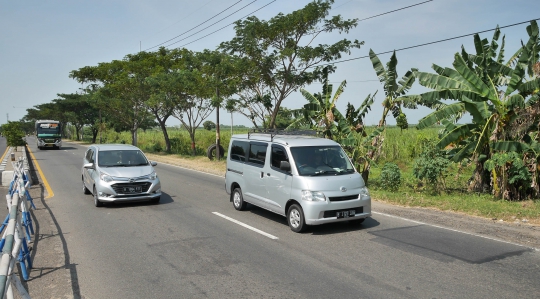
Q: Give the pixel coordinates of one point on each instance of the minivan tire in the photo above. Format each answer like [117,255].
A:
[238,200]
[295,218]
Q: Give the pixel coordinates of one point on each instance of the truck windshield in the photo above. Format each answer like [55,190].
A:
[321,160]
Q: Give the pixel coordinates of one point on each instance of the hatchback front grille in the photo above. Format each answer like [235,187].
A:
[343,198]
[119,187]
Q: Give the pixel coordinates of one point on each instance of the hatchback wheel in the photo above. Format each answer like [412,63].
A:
[85,190]
[97,203]
[238,200]
[295,218]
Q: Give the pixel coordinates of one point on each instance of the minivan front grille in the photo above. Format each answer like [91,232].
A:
[343,198]
[328,214]
[119,187]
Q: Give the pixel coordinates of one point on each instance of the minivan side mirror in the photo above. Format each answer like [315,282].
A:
[285,166]
[89,165]
[153,163]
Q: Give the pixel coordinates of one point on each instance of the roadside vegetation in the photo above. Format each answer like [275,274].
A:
[486,164]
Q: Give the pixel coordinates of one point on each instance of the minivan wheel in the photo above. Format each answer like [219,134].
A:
[85,190]
[238,200]
[295,218]
[97,203]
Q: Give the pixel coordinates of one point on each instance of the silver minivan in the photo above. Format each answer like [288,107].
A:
[308,180]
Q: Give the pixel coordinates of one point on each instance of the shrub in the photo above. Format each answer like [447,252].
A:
[431,166]
[390,177]
[14,134]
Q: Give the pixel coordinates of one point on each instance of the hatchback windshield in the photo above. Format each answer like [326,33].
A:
[121,158]
[321,160]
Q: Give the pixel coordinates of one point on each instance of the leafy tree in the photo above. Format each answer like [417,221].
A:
[503,102]
[209,125]
[124,86]
[13,133]
[280,55]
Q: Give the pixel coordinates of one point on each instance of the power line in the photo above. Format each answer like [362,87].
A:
[430,43]
[227,25]
[393,10]
[182,18]
[213,23]
[197,25]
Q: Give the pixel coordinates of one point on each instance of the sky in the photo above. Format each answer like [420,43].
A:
[41,42]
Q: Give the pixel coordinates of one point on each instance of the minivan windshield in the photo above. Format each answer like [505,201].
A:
[321,160]
[121,158]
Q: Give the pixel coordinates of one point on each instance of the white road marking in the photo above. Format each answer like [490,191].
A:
[451,229]
[246,226]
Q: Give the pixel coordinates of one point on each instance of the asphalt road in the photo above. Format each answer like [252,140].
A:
[184,248]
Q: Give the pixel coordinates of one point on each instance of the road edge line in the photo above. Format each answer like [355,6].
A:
[50,193]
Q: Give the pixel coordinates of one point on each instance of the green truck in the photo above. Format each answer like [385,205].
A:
[48,134]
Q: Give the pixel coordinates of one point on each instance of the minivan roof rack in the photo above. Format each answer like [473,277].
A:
[274,132]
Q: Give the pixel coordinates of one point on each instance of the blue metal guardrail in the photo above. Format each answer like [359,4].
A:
[14,243]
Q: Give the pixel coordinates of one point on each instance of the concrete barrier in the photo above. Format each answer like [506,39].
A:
[6,165]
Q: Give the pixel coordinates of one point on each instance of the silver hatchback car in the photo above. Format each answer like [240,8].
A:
[119,173]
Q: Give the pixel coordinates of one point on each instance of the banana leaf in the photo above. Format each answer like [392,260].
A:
[436,116]
[475,82]
[510,146]
[459,133]
[378,66]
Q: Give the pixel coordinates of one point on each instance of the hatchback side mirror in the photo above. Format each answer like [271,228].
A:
[153,163]
[285,166]
[89,165]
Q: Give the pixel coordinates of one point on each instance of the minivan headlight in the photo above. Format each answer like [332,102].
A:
[313,195]
[105,177]
[364,193]
[152,176]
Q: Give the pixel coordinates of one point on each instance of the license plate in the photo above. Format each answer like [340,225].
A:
[134,189]
[345,214]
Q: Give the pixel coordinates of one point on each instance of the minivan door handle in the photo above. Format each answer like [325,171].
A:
[262,174]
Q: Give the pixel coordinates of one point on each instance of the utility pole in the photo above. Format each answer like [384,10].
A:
[217,126]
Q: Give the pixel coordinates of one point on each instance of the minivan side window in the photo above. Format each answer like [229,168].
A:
[278,154]
[257,153]
[239,150]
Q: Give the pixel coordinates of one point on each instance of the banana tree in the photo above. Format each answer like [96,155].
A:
[320,113]
[492,92]
[394,101]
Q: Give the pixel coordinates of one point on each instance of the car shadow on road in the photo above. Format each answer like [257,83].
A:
[323,229]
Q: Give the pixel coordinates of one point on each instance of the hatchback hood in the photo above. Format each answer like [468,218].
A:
[128,171]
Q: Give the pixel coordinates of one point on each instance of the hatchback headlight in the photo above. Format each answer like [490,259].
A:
[105,177]
[364,193]
[152,176]
[313,195]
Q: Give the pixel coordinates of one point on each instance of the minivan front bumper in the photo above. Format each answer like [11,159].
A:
[316,213]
